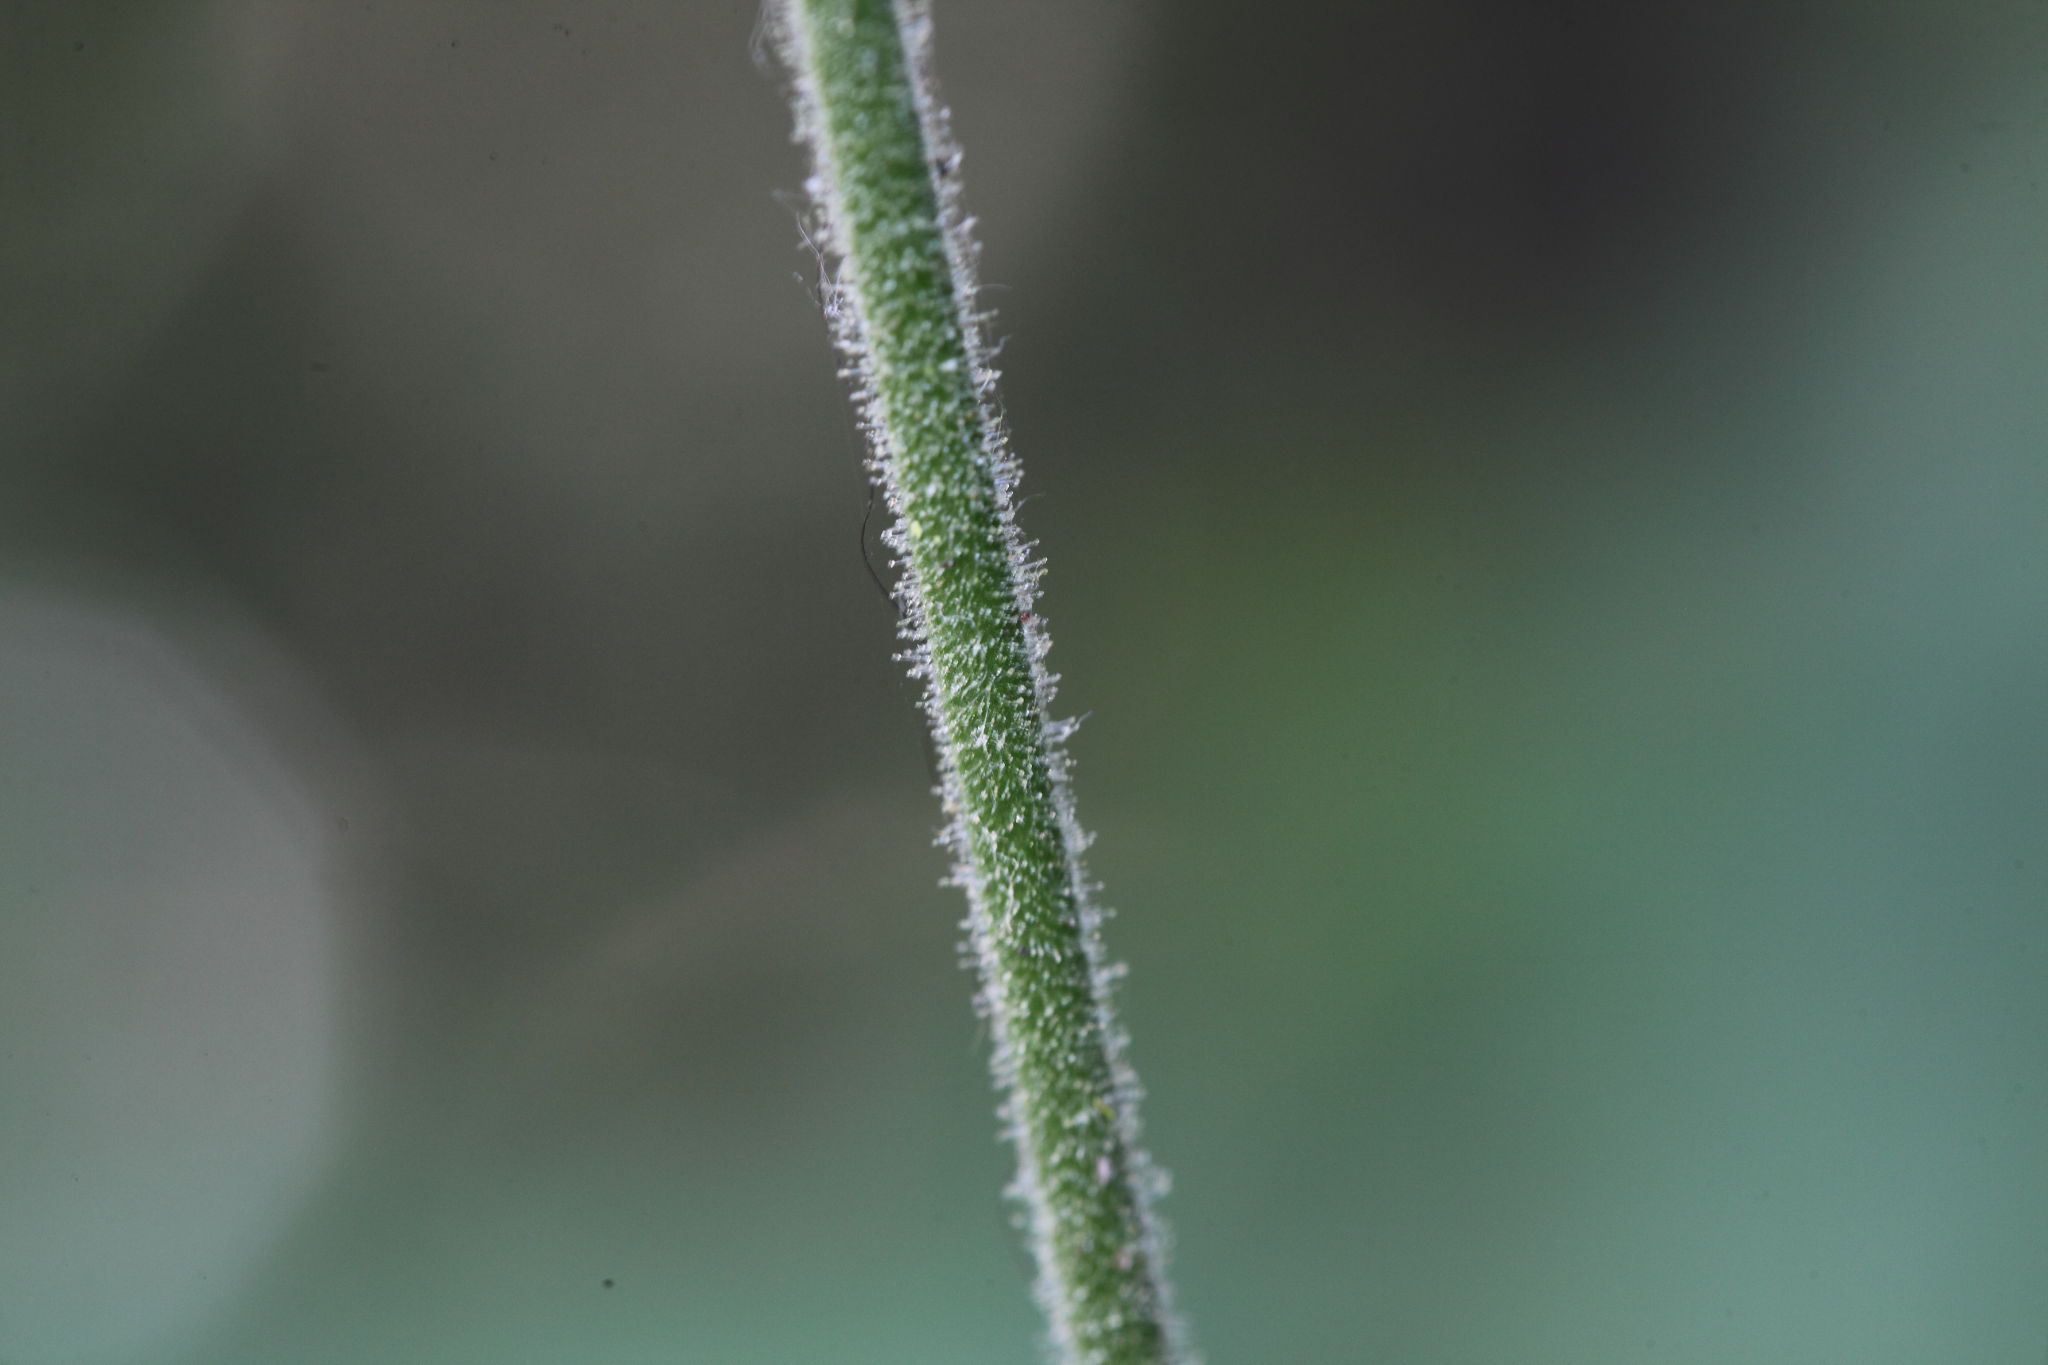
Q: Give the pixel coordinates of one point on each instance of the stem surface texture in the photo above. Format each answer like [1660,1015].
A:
[885,186]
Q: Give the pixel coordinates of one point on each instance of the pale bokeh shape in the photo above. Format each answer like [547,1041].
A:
[167,989]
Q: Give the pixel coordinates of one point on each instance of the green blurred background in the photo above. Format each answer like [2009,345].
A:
[1546,507]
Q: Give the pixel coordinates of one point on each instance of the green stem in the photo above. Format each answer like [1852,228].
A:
[886,191]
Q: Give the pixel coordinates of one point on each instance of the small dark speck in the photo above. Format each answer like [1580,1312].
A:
[342,824]
[1966,165]
[78,46]
[455,42]
[609,1283]
[321,367]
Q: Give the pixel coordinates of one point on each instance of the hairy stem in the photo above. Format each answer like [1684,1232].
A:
[885,186]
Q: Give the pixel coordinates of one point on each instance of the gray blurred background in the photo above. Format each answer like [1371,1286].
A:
[1546,507]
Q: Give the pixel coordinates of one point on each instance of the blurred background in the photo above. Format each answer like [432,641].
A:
[1546,508]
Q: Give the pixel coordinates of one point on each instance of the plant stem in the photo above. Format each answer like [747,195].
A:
[885,186]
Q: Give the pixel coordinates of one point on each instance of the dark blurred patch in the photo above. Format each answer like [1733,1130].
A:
[550,686]
[1541,152]
[1484,172]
